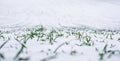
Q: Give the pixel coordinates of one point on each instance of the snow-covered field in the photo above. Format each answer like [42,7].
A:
[59,30]
[95,13]
[55,44]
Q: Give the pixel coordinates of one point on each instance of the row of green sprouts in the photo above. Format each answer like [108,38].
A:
[86,37]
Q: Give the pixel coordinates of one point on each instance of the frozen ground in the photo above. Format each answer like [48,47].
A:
[78,32]
[56,44]
[94,13]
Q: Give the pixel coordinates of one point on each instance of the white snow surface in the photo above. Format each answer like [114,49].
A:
[39,50]
[103,14]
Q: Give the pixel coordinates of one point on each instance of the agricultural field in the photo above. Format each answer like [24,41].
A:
[41,43]
[59,30]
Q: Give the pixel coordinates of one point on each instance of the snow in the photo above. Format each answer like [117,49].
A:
[72,48]
[94,13]
[18,15]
